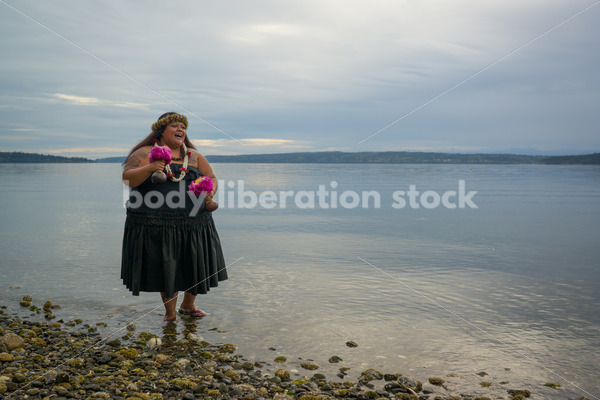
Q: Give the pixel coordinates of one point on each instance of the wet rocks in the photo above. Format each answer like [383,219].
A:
[309,365]
[12,341]
[62,377]
[6,357]
[410,385]
[282,374]
[47,306]
[552,385]
[519,393]
[105,358]
[61,360]
[335,359]
[154,342]
[228,348]
[436,381]
[371,375]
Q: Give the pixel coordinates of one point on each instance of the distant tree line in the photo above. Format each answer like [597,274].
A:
[586,159]
[20,157]
[338,157]
[119,159]
[404,157]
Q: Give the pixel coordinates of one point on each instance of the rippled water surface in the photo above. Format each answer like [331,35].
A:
[509,288]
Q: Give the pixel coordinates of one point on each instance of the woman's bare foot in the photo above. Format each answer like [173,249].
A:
[193,312]
[188,308]
[170,304]
[169,318]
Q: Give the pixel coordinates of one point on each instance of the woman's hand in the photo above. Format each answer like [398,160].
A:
[158,165]
[209,204]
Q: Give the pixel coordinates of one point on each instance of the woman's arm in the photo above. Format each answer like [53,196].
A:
[138,168]
[204,166]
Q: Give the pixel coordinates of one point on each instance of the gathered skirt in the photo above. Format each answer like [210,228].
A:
[170,252]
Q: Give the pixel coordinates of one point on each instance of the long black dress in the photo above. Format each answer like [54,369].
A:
[167,247]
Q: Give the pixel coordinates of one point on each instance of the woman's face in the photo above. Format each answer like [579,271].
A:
[174,135]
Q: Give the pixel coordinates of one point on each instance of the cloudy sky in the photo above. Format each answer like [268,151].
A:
[89,78]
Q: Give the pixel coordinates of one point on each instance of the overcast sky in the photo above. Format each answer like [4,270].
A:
[88,79]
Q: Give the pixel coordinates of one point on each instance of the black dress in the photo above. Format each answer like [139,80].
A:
[170,242]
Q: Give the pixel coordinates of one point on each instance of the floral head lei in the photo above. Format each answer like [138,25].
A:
[164,121]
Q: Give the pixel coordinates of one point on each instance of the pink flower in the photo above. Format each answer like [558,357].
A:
[201,185]
[161,153]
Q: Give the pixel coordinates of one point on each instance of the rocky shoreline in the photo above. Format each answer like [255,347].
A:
[43,357]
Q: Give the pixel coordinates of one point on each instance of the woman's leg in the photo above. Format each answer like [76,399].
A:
[188,305]
[170,306]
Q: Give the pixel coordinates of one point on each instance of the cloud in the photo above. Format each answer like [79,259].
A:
[77,99]
[85,150]
[263,33]
[93,101]
[249,142]
[273,142]
[250,145]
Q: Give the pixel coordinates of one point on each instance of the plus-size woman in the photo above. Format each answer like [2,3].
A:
[168,244]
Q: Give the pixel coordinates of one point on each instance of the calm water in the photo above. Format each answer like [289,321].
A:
[509,288]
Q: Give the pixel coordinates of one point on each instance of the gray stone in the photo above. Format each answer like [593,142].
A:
[389,377]
[309,365]
[12,341]
[62,377]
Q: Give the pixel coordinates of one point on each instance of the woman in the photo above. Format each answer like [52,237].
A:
[169,245]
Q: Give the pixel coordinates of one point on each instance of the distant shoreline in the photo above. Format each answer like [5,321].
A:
[338,157]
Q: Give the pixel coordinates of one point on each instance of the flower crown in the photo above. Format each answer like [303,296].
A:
[164,121]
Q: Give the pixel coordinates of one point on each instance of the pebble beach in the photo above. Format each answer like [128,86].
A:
[45,357]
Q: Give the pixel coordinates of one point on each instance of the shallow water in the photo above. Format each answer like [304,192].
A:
[508,288]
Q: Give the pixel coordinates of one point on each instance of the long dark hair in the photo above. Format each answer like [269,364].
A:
[155,135]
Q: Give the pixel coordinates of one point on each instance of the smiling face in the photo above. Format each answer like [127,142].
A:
[174,135]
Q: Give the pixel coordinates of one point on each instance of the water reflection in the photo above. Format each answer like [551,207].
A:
[169,334]
[522,269]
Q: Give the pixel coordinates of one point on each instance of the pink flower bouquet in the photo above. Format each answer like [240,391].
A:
[161,153]
[204,186]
